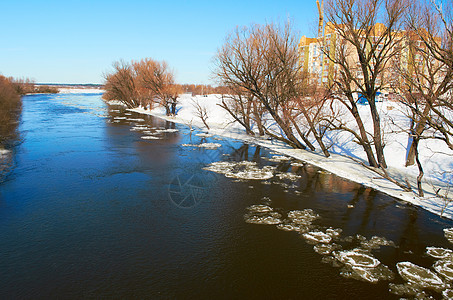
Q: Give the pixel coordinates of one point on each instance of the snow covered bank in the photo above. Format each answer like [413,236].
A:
[346,155]
[72,90]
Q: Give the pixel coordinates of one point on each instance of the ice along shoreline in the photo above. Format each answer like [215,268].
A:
[340,165]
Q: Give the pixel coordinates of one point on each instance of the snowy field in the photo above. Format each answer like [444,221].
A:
[436,158]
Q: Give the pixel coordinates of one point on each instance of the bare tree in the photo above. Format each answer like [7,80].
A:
[158,79]
[201,112]
[260,63]
[361,55]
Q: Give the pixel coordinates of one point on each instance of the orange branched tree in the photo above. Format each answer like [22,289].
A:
[143,83]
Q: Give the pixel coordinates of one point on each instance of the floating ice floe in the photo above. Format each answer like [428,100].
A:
[204,135]
[297,164]
[135,120]
[325,249]
[137,128]
[444,268]
[407,289]
[210,146]
[293,227]
[241,170]
[317,237]
[260,208]
[448,232]
[306,216]
[167,130]
[150,137]
[289,176]
[361,266]
[279,158]
[262,214]
[447,294]
[439,252]
[115,110]
[419,276]
[375,242]
[119,118]
[356,258]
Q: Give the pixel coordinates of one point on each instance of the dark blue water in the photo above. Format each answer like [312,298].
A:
[92,210]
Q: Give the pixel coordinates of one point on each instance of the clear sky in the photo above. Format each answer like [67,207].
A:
[77,41]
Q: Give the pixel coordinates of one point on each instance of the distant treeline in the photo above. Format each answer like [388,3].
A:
[201,89]
[27,86]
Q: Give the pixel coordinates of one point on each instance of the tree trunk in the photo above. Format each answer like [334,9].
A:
[377,135]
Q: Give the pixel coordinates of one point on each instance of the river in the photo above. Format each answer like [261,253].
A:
[93,210]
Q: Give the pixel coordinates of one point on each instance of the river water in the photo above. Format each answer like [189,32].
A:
[92,209]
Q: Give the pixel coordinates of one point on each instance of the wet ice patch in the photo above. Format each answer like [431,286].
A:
[419,276]
[288,176]
[448,232]
[167,130]
[204,135]
[439,252]
[375,242]
[119,118]
[293,227]
[262,214]
[444,268]
[135,120]
[356,258]
[150,137]
[279,158]
[407,289]
[306,216]
[245,170]
[210,145]
[372,275]
[317,236]
[325,249]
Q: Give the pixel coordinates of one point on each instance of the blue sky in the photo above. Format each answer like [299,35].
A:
[77,41]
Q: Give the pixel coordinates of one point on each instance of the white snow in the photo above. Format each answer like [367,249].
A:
[73,90]
[436,158]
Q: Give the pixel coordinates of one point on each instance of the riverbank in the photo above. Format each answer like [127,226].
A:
[344,163]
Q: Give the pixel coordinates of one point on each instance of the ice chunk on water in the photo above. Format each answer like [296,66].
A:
[293,227]
[260,208]
[375,242]
[447,294]
[407,289]
[271,218]
[419,276]
[135,120]
[279,158]
[251,174]
[204,135]
[448,232]
[150,137]
[317,237]
[166,130]
[262,214]
[240,170]
[119,118]
[445,268]
[356,258]
[373,275]
[325,249]
[289,176]
[439,252]
[210,145]
[306,216]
